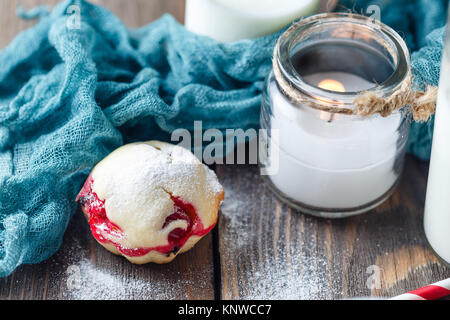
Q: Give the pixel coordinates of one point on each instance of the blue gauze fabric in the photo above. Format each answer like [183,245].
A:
[68,97]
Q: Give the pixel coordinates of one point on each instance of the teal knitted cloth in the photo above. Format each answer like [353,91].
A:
[69,96]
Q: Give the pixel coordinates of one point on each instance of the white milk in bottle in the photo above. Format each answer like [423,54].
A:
[437,207]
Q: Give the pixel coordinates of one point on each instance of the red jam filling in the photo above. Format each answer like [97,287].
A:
[101,225]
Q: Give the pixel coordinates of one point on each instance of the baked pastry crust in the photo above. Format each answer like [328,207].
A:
[150,201]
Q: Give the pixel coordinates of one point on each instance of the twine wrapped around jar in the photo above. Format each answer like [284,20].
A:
[421,104]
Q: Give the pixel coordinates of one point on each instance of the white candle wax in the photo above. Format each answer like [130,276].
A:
[338,164]
[232,20]
[437,205]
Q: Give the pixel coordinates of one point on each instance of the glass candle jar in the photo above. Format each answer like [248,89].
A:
[330,162]
[437,204]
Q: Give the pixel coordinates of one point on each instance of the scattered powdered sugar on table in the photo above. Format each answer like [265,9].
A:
[266,268]
[285,273]
[98,284]
[87,280]
[104,285]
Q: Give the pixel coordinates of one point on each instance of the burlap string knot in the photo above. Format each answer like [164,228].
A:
[422,104]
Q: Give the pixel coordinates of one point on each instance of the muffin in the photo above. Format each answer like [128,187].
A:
[150,201]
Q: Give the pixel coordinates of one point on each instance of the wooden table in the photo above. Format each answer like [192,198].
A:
[260,249]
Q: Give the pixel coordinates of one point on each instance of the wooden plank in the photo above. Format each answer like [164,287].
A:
[134,13]
[137,13]
[268,250]
[10,25]
[82,269]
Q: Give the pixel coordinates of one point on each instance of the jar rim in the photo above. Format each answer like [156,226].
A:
[390,38]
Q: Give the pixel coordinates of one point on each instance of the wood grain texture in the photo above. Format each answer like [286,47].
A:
[134,13]
[102,275]
[261,249]
[268,250]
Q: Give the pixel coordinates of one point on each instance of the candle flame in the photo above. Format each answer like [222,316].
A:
[331,85]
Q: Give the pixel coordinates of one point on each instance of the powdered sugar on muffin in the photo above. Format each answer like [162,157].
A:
[148,201]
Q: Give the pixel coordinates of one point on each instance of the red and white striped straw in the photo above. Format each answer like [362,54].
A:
[432,292]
